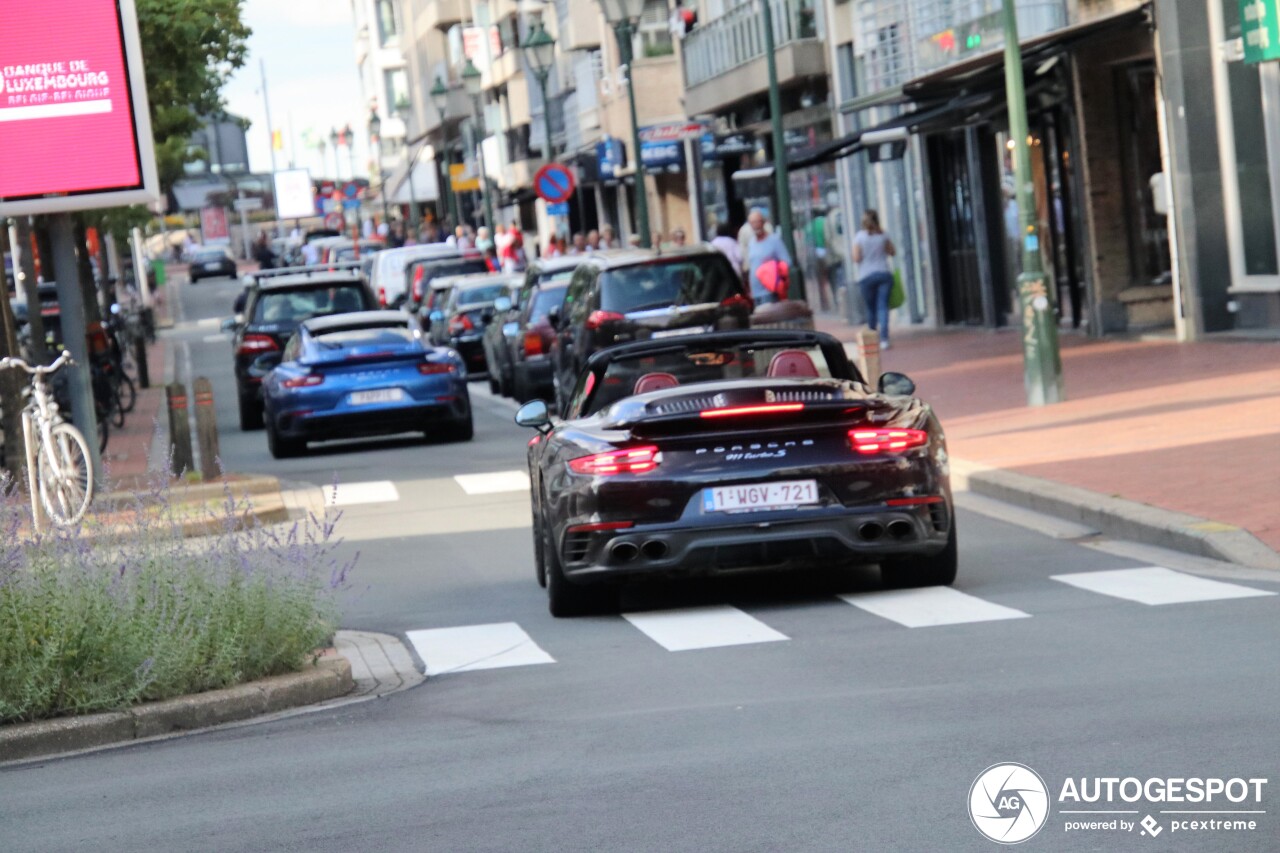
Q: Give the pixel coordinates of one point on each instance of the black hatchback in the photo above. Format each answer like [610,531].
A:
[636,295]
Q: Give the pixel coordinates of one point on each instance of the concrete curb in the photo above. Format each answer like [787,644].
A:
[329,678]
[1117,518]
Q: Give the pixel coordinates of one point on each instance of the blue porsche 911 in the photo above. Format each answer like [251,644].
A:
[361,374]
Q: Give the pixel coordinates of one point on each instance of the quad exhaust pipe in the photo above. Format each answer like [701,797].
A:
[654,549]
[871,531]
[901,530]
[625,552]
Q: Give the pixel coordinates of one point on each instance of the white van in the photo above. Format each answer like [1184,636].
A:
[389,278]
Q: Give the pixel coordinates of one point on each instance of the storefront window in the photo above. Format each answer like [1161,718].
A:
[1252,173]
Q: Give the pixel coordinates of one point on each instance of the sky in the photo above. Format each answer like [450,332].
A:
[309,50]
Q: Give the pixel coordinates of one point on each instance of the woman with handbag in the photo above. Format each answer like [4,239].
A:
[872,249]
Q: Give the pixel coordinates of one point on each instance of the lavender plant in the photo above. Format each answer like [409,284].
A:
[126,609]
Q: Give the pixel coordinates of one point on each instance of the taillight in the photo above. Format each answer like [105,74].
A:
[763,409]
[869,441]
[630,460]
[596,319]
[532,343]
[739,300]
[431,368]
[418,275]
[303,381]
[257,344]
[461,323]
[382,297]
[921,501]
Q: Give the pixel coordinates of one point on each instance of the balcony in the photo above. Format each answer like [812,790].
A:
[457,109]
[580,25]
[724,60]
[443,14]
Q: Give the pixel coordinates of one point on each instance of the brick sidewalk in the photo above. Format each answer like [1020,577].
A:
[128,454]
[1188,427]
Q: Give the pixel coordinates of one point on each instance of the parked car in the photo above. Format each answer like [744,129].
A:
[361,374]
[468,310]
[499,332]
[275,304]
[389,276]
[346,250]
[638,294]
[211,262]
[422,272]
[734,451]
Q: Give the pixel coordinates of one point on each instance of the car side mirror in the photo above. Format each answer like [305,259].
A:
[230,324]
[436,316]
[264,364]
[553,316]
[897,384]
[534,415]
[502,304]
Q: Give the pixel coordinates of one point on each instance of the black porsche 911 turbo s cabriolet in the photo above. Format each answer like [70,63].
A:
[733,451]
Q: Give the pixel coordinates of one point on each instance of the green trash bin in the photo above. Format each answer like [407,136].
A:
[158,267]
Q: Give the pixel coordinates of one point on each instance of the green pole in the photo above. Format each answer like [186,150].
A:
[781,183]
[448,181]
[484,174]
[1042,363]
[623,32]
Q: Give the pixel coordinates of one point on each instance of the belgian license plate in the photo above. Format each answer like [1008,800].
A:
[382,395]
[690,330]
[212,266]
[760,496]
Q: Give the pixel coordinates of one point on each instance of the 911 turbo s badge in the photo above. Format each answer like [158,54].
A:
[748,452]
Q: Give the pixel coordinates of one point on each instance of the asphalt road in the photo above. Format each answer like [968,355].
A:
[779,713]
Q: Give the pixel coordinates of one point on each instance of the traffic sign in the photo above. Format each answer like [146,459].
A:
[351,189]
[1260,30]
[333,221]
[553,183]
[247,205]
[560,208]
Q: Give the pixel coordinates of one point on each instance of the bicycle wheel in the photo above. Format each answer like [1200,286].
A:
[128,393]
[64,475]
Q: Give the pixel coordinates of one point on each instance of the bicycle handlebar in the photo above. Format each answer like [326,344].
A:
[38,370]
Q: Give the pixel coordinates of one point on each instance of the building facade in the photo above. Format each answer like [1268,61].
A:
[380,28]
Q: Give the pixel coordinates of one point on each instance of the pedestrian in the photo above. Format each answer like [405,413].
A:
[768,261]
[310,253]
[593,240]
[678,237]
[579,244]
[872,249]
[746,234]
[607,238]
[262,252]
[491,257]
[555,247]
[727,243]
[483,241]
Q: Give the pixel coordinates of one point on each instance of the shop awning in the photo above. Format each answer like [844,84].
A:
[425,186]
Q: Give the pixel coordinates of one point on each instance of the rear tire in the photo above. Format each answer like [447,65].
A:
[250,414]
[565,598]
[539,559]
[937,570]
[494,388]
[284,448]
[128,392]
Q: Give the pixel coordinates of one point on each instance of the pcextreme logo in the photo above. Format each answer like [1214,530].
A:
[1008,803]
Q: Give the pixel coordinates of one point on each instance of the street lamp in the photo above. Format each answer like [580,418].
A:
[540,52]
[1041,359]
[350,137]
[440,98]
[621,14]
[473,83]
[375,138]
[334,139]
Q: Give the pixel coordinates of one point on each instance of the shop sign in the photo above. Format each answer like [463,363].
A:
[733,145]
[610,157]
[672,132]
[660,156]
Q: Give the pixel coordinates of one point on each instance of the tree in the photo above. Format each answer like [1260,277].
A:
[190,49]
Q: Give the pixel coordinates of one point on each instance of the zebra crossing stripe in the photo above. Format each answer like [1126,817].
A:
[472,647]
[1154,585]
[702,628]
[495,483]
[350,494]
[931,606]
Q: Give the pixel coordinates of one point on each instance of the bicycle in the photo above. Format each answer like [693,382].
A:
[63,476]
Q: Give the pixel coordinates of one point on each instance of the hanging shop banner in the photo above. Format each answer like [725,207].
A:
[74,125]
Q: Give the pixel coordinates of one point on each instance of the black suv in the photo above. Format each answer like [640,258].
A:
[276,303]
[634,295]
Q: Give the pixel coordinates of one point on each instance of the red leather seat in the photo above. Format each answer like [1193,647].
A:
[792,364]
[654,382]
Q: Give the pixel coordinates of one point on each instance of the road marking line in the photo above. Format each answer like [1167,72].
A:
[208,323]
[349,494]
[703,628]
[473,647]
[216,339]
[930,606]
[1155,585]
[490,484]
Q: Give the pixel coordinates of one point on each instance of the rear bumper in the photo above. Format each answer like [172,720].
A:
[383,420]
[536,374]
[471,349]
[752,541]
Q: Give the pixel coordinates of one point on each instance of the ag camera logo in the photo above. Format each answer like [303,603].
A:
[1008,803]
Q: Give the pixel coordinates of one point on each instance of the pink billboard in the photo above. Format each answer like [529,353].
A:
[68,97]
